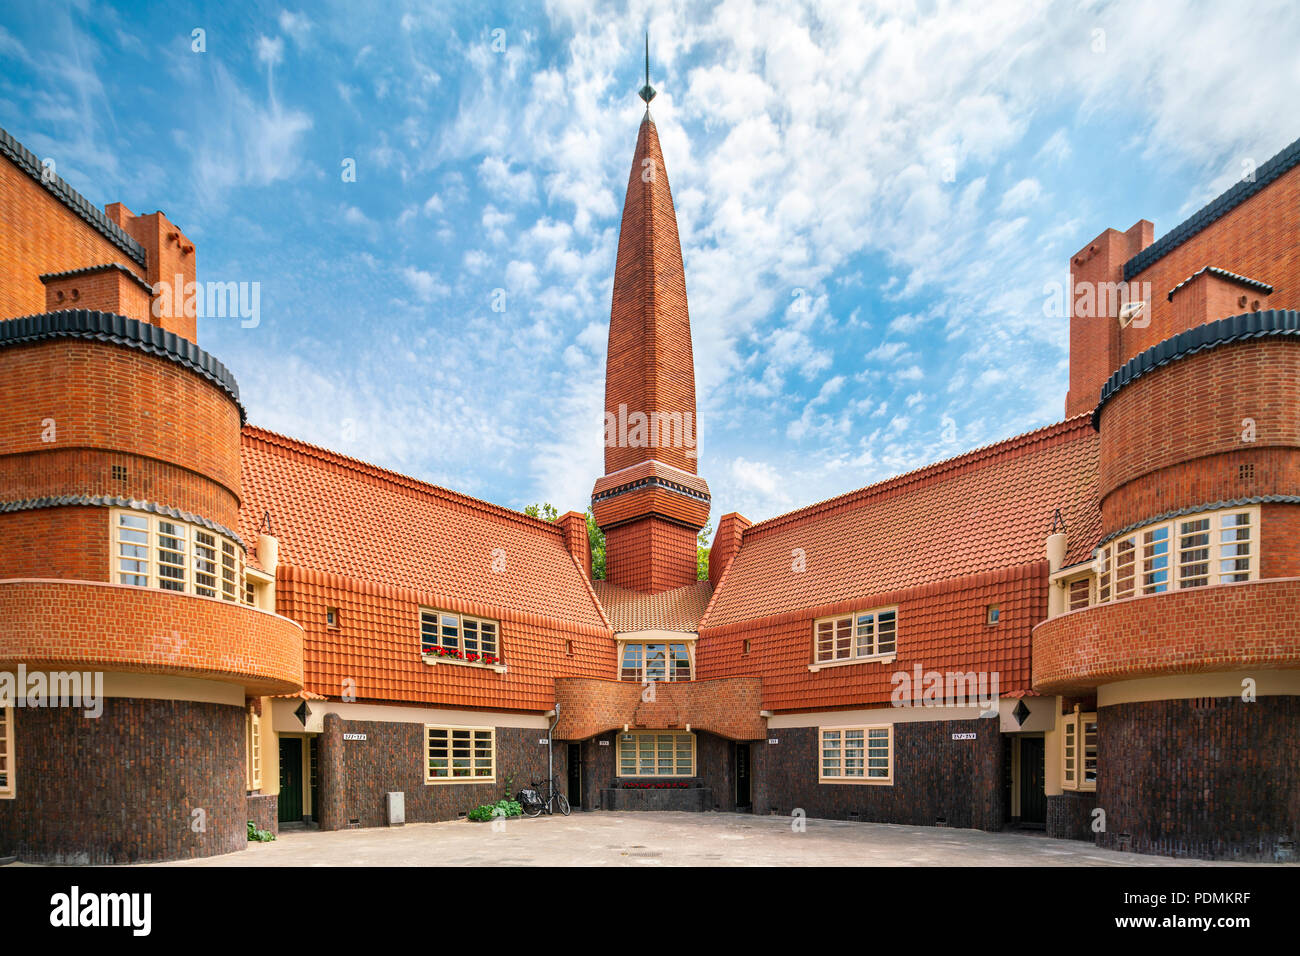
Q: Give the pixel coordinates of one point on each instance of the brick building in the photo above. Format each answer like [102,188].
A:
[1098,615]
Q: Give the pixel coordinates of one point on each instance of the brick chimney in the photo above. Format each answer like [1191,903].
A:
[1096,278]
[1214,293]
[731,528]
[170,260]
[574,525]
[110,287]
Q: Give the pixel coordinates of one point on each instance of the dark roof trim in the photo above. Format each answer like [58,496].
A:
[1251,325]
[652,482]
[1265,174]
[29,163]
[1198,509]
[1263,287]
[114,501]
[91,270]
[119,330]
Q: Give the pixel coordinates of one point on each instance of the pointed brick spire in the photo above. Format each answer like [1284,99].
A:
[650,501]
[650,367]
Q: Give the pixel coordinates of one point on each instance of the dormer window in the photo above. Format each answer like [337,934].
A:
[458,638]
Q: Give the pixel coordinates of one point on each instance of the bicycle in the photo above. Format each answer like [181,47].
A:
[533,804]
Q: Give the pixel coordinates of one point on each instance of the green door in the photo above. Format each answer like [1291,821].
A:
[290,779]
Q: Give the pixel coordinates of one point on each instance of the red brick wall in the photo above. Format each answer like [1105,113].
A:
[55,543]
[1219,628]
[726,706]
[39,235]
[1258,239]
[940,627]
[651,555]
[1174,437]
[89,471]
[377,646]
[121,628]
[117,399]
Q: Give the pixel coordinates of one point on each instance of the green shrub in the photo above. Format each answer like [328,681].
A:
[486,812]
[259,836]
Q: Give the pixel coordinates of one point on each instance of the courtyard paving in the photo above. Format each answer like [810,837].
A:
[673,839]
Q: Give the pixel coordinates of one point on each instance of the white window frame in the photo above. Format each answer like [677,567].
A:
[253,750]
[8,761]
[1168,555]
[855,748]
[450,752]
[211,565]
[644,674]
[445,620]
[853,629]
[1078,755]
[659,769]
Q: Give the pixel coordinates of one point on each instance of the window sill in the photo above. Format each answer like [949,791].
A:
[433,660]
[878,659]
[857,782]
[442,781]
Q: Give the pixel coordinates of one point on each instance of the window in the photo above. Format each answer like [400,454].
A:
[1078,594]
[331,617]
[994,615]
[460,755]
[444,634]
[161,552]
[253,750]
[1195,551]
[654,754]
[866,634]
[655,662]
[6,752]
[857,755]
[1079,752]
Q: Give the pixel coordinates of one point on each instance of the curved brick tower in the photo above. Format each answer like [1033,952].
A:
[650,503]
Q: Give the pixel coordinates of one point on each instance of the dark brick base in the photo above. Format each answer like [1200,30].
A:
[1179,778]
[694,800]
[937,780]
[354,775]
[1069,816]
[264,811]
[124,788]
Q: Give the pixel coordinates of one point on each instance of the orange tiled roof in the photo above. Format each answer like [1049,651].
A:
[338,515]
[677,610]
[988,509]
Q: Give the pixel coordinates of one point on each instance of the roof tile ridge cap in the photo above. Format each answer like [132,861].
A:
[395,478]
[1006,448]
[591,591]
[722,583]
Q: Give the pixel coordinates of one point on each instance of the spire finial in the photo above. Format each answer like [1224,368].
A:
[647,92]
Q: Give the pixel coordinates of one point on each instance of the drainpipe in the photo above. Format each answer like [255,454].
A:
[550,748]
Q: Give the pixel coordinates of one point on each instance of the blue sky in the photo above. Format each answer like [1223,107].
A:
[871,202]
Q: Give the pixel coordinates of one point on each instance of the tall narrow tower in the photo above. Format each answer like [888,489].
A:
[650,502]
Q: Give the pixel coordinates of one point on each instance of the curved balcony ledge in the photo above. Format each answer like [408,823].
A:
[1221,628]
[71,624]
[727,706]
